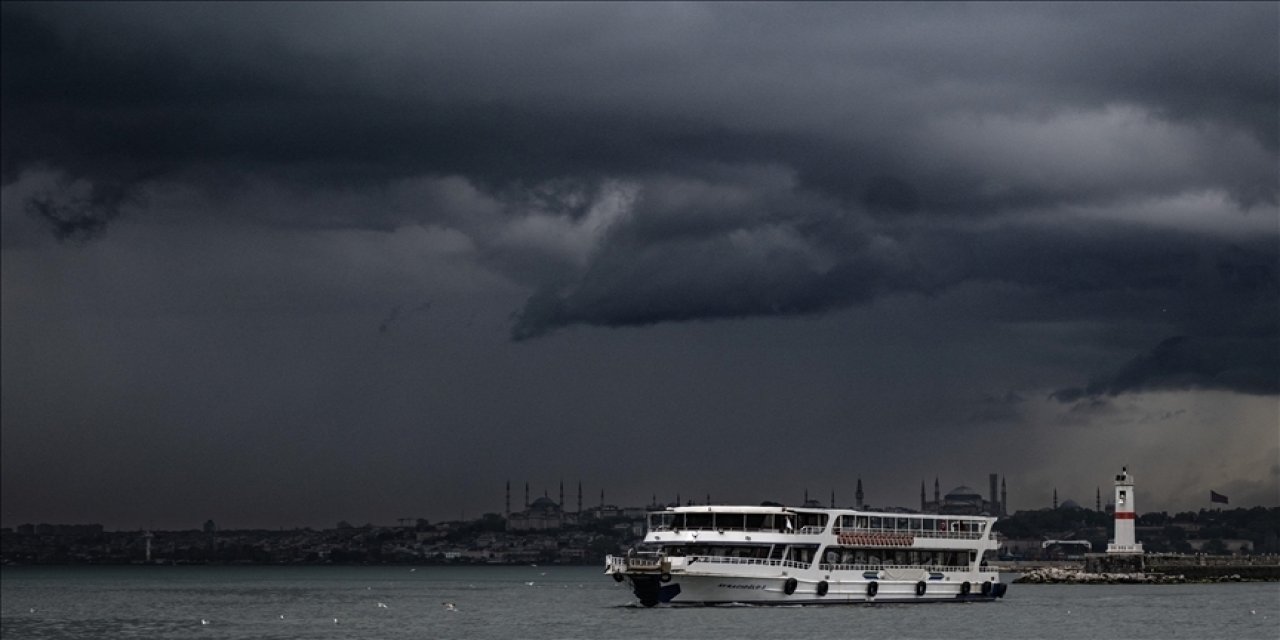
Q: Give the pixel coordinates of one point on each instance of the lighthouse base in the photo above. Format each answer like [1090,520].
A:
[1115,563]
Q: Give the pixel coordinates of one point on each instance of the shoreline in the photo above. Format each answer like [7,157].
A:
[1052,575]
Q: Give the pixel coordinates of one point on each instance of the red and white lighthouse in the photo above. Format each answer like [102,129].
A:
[1125,542]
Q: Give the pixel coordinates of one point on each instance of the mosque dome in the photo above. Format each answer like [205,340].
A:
[963,493]
[544,503]
[1070,504]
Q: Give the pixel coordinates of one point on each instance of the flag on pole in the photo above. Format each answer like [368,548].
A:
[1214,496]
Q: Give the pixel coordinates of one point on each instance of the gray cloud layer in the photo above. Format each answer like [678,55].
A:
[1109,166]
[884,136]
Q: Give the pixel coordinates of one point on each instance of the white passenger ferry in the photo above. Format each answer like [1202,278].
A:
[780,555]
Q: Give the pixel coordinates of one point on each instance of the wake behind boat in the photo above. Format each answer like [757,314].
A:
[708,555]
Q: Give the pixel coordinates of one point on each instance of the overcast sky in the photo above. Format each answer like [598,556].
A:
[289,264]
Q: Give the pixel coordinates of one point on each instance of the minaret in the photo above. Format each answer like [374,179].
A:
[1097,501]
[857,496]
[602,498]
[1004,497]
[508,498]
[806,498]
[922,502]
[1125,542]
[1055,497]
[562,494]
[937,495]
[833,498]
[526,495]
[995,504]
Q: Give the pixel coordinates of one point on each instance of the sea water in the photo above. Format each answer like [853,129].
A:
[570,602]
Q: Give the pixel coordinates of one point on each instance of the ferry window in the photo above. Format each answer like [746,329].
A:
[801,553]
[677,522]
[876,523]
[899,557]
[902,524]
[698,520]
[731,521]
[863,522]
[755,521]
[813,520]
[846,522]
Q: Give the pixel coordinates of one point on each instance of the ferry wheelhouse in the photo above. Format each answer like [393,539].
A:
[780,555]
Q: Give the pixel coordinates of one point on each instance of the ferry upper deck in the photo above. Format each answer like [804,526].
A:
[809,521]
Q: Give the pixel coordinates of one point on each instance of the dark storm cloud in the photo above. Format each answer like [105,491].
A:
[1180,363]
[1236,347]
[826,157]
[118,96]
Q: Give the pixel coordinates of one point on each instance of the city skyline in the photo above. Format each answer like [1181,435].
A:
[280,263]
[570,505]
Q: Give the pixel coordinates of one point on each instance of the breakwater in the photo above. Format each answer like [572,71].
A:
[1155,573]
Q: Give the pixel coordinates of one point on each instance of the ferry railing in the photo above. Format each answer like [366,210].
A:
[879,567]
[919,533]
[817,530]
[637,560]
[925,567]
[767,562]
[808,530]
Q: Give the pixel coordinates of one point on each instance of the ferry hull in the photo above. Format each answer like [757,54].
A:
[707,590]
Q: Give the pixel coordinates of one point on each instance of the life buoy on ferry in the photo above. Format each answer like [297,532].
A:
[664,577]
[822,588]
[617,577]
[789,587]
[964,588]
[873,588]
[986,588]
[921,587]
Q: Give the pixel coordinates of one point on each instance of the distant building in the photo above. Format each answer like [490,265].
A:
[541,515]
[962,501]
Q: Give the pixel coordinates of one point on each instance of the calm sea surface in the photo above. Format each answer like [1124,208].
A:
[570,602]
